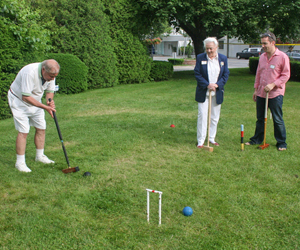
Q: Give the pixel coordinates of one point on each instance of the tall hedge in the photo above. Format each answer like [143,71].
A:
[82,29]
[134,63]
[9,54]
[22,41]
[5,81]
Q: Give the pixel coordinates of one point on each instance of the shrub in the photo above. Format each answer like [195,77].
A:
[72,77]
[134,63]
[295,71]
[161,70]
[82,29]
[189,50]
[253,63]
[181,50]
[5,81]
[175,61]
[295,68]
[10,58]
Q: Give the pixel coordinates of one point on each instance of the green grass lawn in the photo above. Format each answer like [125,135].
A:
[122,135]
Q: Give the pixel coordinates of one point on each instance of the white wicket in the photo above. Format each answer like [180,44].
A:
[148,204]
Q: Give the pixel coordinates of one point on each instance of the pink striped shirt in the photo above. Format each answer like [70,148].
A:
[274,70]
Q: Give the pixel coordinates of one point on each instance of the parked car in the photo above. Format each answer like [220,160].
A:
[294,50]
[249,52]
[295,55]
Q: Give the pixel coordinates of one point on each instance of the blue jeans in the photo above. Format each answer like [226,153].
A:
[275,105]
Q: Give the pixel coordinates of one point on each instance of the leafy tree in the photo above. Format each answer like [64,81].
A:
[244,19]
[137,19]
[283,18]
[256,17]
[198,19]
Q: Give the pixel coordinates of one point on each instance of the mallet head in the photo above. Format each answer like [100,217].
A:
[209,149]
[262,147]
[70,170]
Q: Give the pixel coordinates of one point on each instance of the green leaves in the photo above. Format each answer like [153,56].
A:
[244,19]
[24,23]
[82,29]
[22,40]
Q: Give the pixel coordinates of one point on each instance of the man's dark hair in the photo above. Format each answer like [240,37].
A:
[271,36]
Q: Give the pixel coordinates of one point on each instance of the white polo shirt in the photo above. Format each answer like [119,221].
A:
[29,82]
[213,70]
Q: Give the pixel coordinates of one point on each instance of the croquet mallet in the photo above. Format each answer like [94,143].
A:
[69,169]
[208,148]
[265,145]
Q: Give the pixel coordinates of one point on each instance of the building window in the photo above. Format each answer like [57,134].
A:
[221,44]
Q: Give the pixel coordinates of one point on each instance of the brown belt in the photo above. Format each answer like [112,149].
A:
[13,93]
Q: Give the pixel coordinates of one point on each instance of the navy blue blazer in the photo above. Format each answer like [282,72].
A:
[201,75]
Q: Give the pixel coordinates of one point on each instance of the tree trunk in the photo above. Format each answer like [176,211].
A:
[197,33]
[198,43]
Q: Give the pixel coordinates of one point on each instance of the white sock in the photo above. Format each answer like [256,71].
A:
[20,159]
[39,152]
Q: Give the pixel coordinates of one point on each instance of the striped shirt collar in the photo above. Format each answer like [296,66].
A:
[40,73]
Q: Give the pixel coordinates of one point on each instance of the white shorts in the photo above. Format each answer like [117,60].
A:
[25,115]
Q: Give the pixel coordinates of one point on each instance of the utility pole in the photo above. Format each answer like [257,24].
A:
[227,47]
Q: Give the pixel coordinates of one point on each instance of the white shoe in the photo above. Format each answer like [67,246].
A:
[44,159]
[22,167]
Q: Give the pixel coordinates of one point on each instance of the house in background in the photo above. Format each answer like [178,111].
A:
[172,42]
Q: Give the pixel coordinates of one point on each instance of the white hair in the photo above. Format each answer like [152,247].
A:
[51,66]
[210,40]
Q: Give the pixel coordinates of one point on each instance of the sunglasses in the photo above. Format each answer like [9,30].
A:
[268,35]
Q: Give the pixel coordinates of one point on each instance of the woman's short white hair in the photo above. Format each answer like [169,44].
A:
[210,40]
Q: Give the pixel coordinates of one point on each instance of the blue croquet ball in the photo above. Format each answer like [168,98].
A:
[187,211]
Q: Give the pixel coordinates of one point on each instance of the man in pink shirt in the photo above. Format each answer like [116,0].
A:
[272,73]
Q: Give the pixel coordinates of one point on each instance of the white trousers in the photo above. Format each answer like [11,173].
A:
[203,117]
